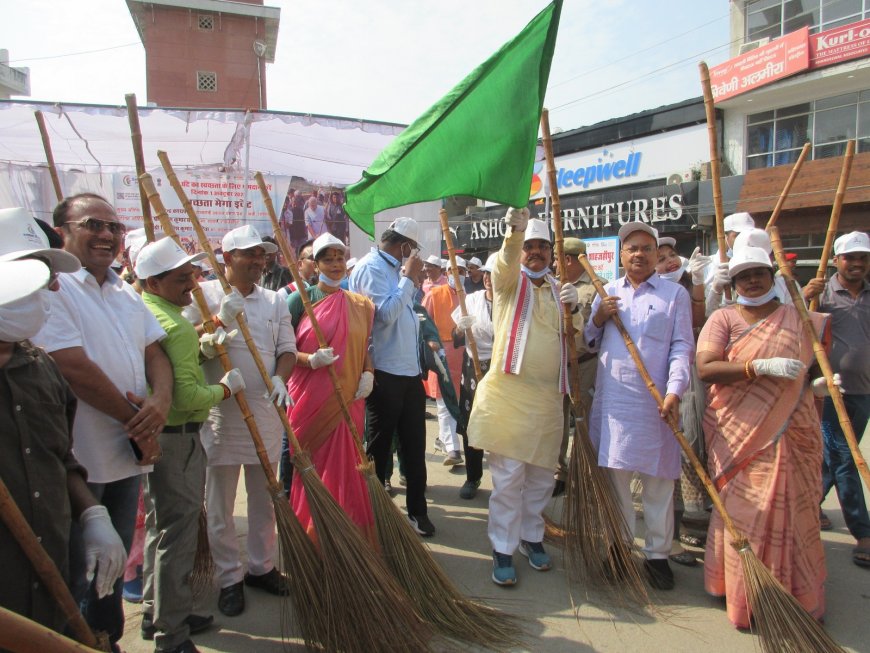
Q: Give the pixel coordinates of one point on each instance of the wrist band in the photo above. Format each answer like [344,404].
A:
[227,391]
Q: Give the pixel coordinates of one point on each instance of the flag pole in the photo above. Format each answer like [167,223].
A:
[788,184]
[49,157]
[139,157]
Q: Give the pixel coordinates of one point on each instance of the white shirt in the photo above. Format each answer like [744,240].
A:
[225,436]
[482,330]
[113,326]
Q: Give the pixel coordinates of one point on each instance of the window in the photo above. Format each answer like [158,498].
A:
[776,137]
[205,22]
[775,18]
[206,81]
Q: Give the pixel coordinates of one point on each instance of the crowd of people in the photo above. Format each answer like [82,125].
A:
[112,388]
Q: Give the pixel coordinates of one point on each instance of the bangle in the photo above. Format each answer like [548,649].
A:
[749,370]
[699,301]
[227,391]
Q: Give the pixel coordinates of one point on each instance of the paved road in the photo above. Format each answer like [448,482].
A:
[686,620]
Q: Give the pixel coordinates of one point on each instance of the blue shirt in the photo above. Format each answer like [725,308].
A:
[394,333]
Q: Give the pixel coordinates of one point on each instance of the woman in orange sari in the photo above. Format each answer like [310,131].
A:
[346,321]
[764,445]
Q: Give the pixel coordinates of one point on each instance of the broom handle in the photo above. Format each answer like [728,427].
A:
[460,290]
[822,358]
[714,165]
[20,634]
[242,320]
[49,157]
[835,216]
[208,325]
[309,310]
[788,184]
[136,135]
[567,318]
[654,391]
[44,566]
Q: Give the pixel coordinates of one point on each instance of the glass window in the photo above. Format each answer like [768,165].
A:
[763,117]
[800,13]
[837,101]
[759,138]
[792,132]
[835,125]
[774,18]
[827,151]
[864,119]
[795,110]
[834,10]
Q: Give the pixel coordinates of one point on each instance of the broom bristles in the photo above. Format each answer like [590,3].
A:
[202,574]
[436,597]
[360,594]
[782,623]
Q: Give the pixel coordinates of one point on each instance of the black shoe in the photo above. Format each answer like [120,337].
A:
[469,490]
[273,581]
[660,575]
[231,601]
[185,647]
[195,623]
[422,525]
[559,488]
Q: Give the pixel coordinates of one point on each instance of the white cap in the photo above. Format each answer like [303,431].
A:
[245,238]
[739,222]
[855,242]
[475,261]
[433,260]
[629,228]
[406,227]
[134,236]
[748,257]
[490,263]
[753,238]
[19,279]
[326,240]
[460,263]
[445,263]
[20,236]
[162,256]
[667,240]
[537,230]
[351,262]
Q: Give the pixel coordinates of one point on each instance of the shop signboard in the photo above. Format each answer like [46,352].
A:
[603,255]
[840,44]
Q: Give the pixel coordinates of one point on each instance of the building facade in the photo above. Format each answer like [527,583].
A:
[13,81]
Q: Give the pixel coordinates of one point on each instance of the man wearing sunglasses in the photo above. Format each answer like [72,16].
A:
[106,343]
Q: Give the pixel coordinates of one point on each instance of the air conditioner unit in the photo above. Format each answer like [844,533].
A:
[751,45]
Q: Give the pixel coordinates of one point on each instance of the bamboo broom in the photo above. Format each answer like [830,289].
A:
[139,157]
[21,635]
[822,358]
[788,184]
[783,624]
[436,597]
[595,546]
[835,216]
[49,157]
[47,571]
[354,579]
[298,556]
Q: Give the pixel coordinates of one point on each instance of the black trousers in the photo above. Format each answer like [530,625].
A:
[397,405]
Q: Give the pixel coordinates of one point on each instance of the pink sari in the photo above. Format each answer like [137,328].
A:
[346,320]
[764,449]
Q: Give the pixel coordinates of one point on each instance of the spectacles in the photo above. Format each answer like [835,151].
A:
[530,245]
[637,249]
[95,226]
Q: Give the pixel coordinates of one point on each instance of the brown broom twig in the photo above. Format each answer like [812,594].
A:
[49,157]
[47,571]
[298,556]
[355,581]
[596,548]
[714,165]
[460,290]
[21,635]
[822,358]
[783,624]
[835,216]
[788,184]
[136,134]
[436,597]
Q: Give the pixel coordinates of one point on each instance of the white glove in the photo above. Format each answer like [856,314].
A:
[231,306]
[517,219]
[721,280]
[233,380]
[786,368]
[465,322]
[279,394]
[104,550]
[221,336]
[820,386]
[366,384]
[321,358]
[568,295]
[697,265]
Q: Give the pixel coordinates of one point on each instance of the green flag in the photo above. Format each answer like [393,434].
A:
[477,140]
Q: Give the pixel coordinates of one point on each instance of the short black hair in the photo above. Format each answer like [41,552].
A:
[61,211]
[302,246]
[269,239]
[734,278]
[55,240]
[391,237]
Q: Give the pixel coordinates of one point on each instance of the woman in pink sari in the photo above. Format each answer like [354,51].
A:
[346,320]
[764,445]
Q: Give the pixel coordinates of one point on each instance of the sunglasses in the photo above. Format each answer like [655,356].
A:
[95,226]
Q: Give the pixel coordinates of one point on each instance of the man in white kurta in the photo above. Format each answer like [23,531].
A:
[517,412]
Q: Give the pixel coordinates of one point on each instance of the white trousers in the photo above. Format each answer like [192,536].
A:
[221,482]
[520,493]
[657,495]
[446,427]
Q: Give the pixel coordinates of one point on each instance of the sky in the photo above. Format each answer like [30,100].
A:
[390,60]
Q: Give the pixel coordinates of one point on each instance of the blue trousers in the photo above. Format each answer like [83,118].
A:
[838,468]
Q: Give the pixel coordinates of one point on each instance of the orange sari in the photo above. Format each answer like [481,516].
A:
[764,449]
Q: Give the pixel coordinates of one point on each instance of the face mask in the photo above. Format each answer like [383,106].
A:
[676,275]
[329,282]
[757,301]
[22,319]
[729,253]
[535,275]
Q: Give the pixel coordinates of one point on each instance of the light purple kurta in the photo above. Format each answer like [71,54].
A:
[624,424]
